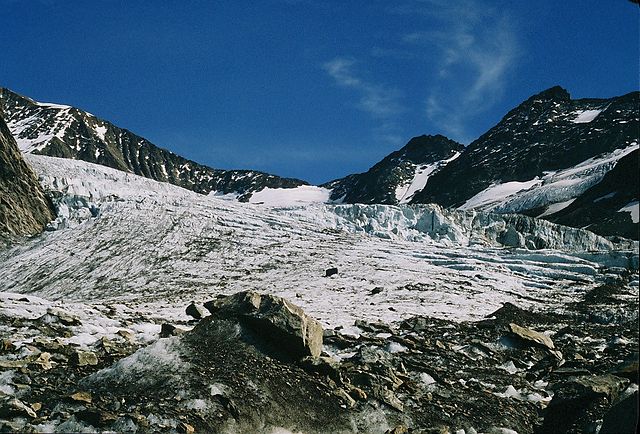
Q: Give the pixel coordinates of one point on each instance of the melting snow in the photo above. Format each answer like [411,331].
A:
[555,207]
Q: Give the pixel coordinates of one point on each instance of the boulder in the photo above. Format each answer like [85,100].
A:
[84,358]
[579,403]
[195,311]
[623,417]
[531,336]
[330,272]
[273,320]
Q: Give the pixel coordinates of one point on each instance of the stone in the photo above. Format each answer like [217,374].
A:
[330,272]
[6,346]
[84,358]
[274,320]
[185,428]
[398,429]
[44,361]
[376,290]
[345,397]
[64,317]
[82,397]
[14,406]
[167,330]
[580,402]
[195,311]
[96,417]
[531,336]
[127,336]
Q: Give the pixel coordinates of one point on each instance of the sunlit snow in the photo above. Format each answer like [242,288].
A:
[291,196]
[585,116]
[633,209]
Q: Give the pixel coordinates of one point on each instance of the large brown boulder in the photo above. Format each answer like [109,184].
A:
[271,319]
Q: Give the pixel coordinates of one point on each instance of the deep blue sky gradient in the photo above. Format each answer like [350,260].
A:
[311,89]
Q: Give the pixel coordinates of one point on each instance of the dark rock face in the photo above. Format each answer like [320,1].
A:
[378,184]
[597,208]
[24,209]
[68,132]
[539,135]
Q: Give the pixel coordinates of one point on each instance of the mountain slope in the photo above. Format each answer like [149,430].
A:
[399,175]
[549,132]
[24,209]
[609,206]
[68,132]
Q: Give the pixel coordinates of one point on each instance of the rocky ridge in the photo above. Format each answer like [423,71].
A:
[399,175]
[68,132]
[24,208]
[548,132]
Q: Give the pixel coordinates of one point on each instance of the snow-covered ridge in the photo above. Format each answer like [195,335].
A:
[557,187]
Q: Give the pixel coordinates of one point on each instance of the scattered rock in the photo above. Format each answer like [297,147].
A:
[376,290]
[273,319]
[330,272]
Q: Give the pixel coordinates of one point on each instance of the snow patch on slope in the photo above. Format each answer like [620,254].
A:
[405,192]
[497,193]
[634,209]
[585,116]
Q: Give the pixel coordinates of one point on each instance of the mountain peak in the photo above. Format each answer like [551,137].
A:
[556,93]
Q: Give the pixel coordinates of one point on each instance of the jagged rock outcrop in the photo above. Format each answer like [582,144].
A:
[399,175]
[24,208]
[68,132]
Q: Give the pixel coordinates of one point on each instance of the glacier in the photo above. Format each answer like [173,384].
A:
[122,238]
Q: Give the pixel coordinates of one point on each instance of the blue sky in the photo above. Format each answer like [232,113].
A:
[312,89]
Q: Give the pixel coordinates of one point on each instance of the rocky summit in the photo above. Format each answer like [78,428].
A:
[24,208]
[401,174]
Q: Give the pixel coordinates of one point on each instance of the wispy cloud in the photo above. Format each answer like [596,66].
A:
[476,48]
[380,101]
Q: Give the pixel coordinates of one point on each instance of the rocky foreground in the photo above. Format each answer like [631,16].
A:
[252,362]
